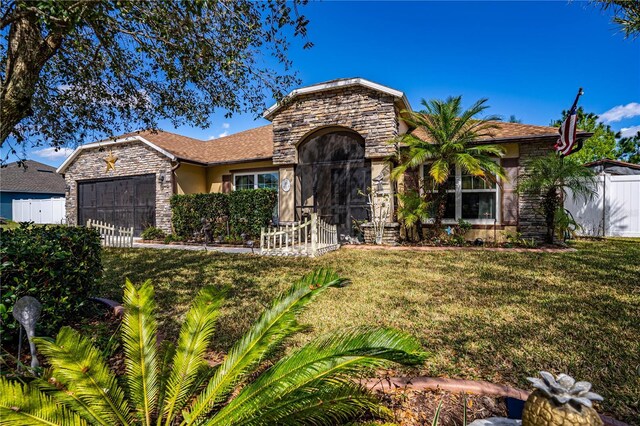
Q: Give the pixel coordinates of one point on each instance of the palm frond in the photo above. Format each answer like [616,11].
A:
[439,171]
[275,324]
[78,366]
[141,354]
[194,337]
[329,404]
[332,359]
[60,394]
[22,405]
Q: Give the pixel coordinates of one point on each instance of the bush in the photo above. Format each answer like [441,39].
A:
[153,233]
[189,209]
[58,265]
[245,211]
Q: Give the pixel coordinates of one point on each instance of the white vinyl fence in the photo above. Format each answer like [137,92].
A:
[46,210]
[313,237]
[112,236]
[613,212]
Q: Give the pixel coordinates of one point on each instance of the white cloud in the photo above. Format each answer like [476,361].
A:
[621,112]
[626,132]
[52,154]
[221,135]
[226,125]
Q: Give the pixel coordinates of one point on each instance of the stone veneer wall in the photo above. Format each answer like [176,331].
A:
[531,222]
[133,159]
[370,113]
[390,234]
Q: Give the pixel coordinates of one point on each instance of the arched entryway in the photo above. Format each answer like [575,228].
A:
[332,175]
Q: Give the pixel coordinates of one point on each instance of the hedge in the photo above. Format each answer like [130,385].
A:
[58,265]
[245,212]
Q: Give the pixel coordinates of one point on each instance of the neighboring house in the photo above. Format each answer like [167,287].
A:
[325,143]
[614,210]
[22,185]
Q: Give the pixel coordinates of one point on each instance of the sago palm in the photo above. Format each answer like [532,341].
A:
[551,179]
[447,138]
[311,385]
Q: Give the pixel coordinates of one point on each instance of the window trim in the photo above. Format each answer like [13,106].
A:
[458,196]
[255,177]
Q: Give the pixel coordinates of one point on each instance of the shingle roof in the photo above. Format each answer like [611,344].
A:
[253,144]
[35,178]
[508,131]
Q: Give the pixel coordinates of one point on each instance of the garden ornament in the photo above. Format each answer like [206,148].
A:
[449,230]
[560,401]
[27,312]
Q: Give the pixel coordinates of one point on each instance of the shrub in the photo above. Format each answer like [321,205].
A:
[188,211]
[246,212]
[153,233]
[250,210]
[58,265]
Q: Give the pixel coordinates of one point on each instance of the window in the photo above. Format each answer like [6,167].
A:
[255,181]
[468,197]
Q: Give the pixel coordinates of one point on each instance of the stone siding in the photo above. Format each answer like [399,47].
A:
[134,158]
[370,113]
[531,221]
[390,235]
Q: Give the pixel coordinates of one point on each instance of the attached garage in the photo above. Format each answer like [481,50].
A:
[128,201]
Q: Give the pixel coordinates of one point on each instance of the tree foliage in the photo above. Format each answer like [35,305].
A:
[601,145]
[629,149]
[626,14]
[553,179]
[71,70]
[311,385]
[450,142]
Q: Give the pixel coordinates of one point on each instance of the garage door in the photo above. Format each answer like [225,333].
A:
[122,202]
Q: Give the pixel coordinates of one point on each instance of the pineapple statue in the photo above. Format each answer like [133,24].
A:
[560,401]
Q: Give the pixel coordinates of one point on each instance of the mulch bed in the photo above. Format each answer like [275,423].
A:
[418,407]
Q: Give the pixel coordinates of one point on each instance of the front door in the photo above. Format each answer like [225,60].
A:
[332,177]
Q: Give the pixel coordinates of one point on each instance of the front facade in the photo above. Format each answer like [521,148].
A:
[326,145]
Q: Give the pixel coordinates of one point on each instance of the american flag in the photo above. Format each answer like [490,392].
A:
[568,130]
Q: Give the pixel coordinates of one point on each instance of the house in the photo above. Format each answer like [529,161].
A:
[325,144]
[613,167]
[34,189]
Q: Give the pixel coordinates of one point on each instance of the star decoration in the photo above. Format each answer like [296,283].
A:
[111,162]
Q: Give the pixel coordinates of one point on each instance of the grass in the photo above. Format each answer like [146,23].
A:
[496,316]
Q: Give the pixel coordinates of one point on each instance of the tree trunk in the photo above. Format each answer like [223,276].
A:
[550,206]
[27,53]
[441,208]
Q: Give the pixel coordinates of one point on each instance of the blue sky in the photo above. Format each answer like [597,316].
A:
[528,58]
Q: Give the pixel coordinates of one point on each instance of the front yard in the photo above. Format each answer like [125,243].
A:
[496,316]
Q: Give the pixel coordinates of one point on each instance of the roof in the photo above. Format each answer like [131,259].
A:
[34,178]
[332,85]
[253,144]
[511,132]
[607,162]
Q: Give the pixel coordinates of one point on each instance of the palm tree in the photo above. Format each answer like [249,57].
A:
[447,138]
[312,385]
[551,178]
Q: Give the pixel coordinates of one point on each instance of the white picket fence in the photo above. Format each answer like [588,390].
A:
[311,238]
[613,212]
[46,210]
[112,236]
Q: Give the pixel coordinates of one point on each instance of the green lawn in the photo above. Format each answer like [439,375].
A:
[497,316]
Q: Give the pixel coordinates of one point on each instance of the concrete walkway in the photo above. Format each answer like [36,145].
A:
[219,249]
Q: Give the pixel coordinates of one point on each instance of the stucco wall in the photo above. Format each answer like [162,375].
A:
[370,113]
[134,158]
[215,173]
[190,179]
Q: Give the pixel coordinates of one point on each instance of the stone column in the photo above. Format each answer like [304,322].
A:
[286,200]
